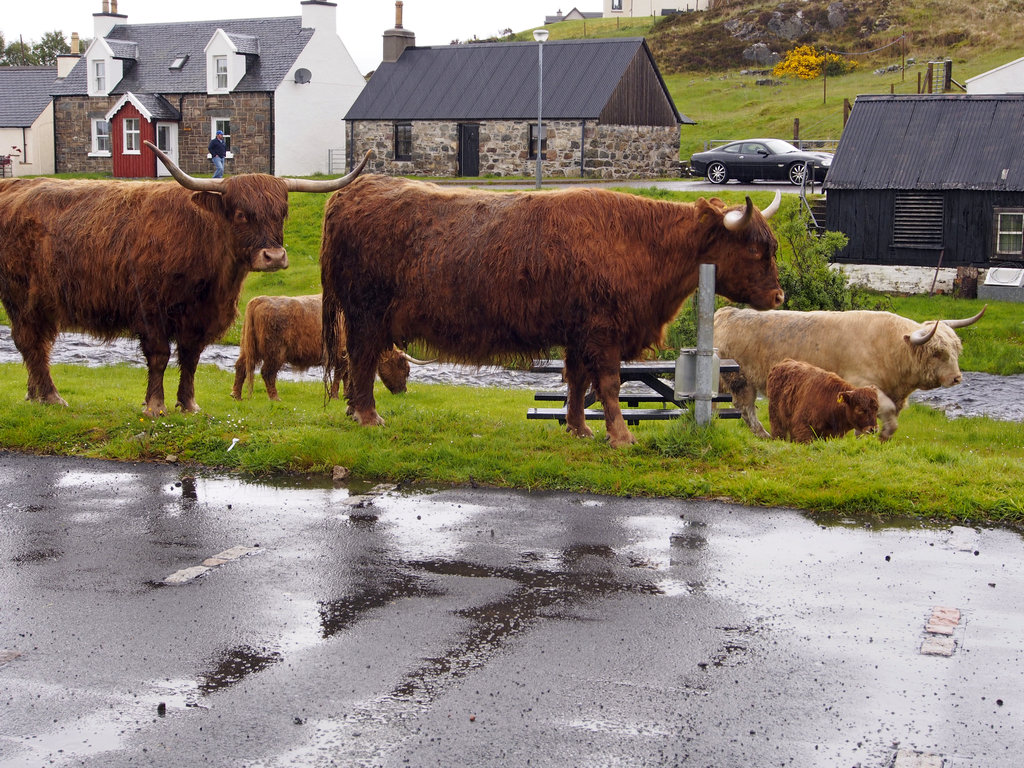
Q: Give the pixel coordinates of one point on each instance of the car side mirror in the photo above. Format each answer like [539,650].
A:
[763,152]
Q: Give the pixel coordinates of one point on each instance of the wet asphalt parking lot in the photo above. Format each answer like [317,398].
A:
[467,627]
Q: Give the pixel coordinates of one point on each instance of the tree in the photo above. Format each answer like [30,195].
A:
[51,45]
[18,53]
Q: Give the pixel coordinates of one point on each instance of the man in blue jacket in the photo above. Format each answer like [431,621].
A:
[218,151]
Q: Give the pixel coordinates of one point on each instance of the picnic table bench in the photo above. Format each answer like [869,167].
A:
[646,373]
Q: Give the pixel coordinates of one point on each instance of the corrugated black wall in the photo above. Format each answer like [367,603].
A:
[866,217]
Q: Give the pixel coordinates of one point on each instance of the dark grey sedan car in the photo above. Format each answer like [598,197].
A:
[767,159]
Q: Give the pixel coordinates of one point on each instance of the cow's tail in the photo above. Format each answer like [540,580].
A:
[248,346]
[332,347]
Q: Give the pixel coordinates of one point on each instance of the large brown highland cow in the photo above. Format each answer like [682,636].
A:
[484,276]
[160,261]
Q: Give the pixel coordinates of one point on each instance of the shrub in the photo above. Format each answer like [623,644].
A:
[806,63]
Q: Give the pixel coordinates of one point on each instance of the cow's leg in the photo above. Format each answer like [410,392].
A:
[157,352]
[188,359]
[603,363]
[340,372]
[888,413]
[241,372]
[34,339]
[269,371]
[577,378]
[365,346]
[744,399]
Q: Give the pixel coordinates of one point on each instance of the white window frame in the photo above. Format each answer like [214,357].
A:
[131,127]
[220,69]
[222,124]
[1009,214]
[99,75]
[97,136]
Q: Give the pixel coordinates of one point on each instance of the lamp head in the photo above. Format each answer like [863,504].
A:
[540,35]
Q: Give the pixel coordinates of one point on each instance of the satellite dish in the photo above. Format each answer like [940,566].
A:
[302,76]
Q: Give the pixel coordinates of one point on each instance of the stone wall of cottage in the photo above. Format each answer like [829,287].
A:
[608,151]
[251,116]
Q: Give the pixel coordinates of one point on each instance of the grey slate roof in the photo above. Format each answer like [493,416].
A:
[278,41]
[498,81]
[932,142]
[158,106]
[24,94]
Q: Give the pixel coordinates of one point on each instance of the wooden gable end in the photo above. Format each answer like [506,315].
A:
[640,97]
[132,165]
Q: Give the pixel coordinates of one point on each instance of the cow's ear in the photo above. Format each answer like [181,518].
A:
[841,397]
[211,201]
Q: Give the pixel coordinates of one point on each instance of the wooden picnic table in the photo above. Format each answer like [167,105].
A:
[647,373]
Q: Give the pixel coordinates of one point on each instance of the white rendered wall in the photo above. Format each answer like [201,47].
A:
[1008,78]
[309,117]
[37,143]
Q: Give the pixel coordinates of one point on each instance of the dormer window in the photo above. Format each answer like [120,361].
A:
[220,64]
[179,62]
[99,76]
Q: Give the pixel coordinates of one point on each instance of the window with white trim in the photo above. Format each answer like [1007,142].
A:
[100,136]
[1009,239]
[220,68]
[132,136]
[99,75]
[222,124]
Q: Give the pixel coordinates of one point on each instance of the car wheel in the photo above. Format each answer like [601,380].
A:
[717,173]
[797,171]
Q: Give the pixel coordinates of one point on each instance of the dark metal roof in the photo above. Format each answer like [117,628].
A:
[932,142]
[24,94]
[277,41]
[496,81]
[157,106]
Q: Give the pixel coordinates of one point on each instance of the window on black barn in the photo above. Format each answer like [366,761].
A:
[1009,234]
[918,220]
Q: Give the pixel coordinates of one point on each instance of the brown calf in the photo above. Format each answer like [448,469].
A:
[287,329]
[807,403]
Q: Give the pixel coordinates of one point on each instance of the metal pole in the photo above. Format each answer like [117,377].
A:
[540,105]
[705,342]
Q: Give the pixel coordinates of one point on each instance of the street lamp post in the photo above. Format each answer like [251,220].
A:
[540,35]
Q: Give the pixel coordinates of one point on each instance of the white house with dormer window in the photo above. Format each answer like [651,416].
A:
[279,88]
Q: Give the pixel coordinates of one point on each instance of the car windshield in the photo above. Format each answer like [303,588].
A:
[780,147]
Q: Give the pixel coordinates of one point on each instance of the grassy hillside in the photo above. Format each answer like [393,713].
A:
[701,56]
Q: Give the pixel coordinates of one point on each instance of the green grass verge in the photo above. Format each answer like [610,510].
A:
[963,470]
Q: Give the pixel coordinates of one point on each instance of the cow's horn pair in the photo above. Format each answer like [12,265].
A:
[294,185]
[924,335]
[737,221]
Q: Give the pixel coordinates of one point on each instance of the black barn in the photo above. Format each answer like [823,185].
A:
[916,178]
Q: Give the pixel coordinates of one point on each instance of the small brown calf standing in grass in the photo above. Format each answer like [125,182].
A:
[806,403]
[287,329]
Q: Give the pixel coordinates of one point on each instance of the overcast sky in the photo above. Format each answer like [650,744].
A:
[360,22]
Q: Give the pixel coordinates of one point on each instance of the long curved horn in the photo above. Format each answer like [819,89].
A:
[414,361]
[967,320]
[188,182]
[773,206]
[737,221]
[923,335]
[327,185]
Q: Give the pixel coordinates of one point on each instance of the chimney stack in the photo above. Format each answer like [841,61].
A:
[320,15]
[105,20]
[398,39]
[66,61]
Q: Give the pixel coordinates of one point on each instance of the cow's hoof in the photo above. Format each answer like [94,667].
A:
[617,441]
[154,411]
[54,399]
[190,407]
[583,431]
[370,419]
